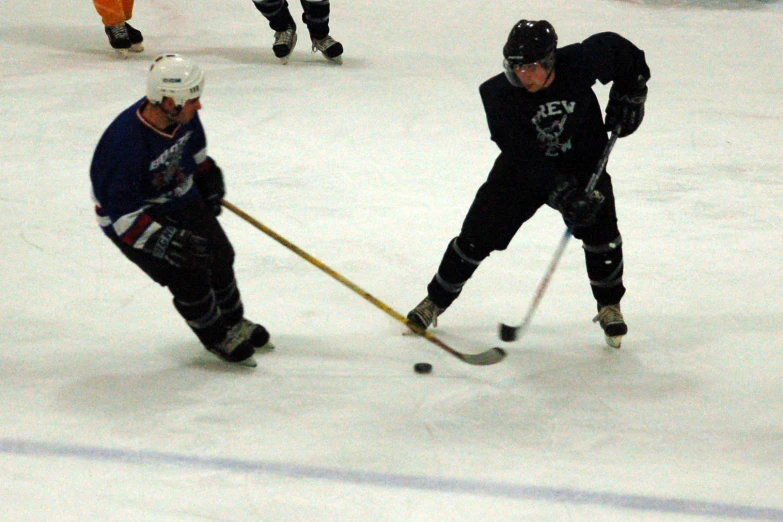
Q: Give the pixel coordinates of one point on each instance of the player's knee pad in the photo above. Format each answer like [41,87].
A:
[605,263]
[223,254]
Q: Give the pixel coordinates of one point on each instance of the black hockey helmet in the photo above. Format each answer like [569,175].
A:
[529,42]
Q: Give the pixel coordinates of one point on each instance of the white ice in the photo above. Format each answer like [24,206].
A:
[111,411]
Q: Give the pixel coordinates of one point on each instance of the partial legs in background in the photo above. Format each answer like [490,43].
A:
[115,15]
[315,17]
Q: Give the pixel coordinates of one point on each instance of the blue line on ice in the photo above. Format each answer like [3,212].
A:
[392,480]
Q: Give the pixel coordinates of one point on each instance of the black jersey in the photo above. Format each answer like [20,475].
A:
[559,131]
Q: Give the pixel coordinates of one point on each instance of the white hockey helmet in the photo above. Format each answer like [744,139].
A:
[175,77]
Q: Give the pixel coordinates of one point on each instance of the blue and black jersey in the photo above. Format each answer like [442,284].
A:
[140,174]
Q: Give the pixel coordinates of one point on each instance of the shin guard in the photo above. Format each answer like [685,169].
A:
[460,260]
[605,270]
[276,12]
[229,303]
[316,16]
[203,317]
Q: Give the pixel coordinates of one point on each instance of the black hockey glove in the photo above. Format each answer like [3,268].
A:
[626,108]
[209,182]
[578,209]
[180,247]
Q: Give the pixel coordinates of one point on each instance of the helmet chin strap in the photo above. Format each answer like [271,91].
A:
[549,75]
[550,61]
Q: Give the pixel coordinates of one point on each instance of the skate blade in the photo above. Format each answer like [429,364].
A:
[137,48]
[615,341]
[121,53]
[412,329]
[268,347]
[337,60]
[250,362]
[284,59]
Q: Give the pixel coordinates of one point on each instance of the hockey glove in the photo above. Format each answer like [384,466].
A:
[209,182]
[626,108]
[180,247]
[578,209]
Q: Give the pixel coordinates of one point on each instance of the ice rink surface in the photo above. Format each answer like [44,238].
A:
[112,411]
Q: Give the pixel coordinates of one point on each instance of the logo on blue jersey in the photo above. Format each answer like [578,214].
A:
[169,162]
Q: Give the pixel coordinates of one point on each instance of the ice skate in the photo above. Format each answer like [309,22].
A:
[236,347]
[611,320]
[425,314]
[257,335]
[330,48]
[119,39]
[285,41]
[136,39]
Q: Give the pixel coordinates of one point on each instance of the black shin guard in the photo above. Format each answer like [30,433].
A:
[230,303]
[203,317]
[460,260]
[276,12]
[605,270]
[316,16]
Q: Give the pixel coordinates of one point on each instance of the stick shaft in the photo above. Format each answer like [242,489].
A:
[512,332]
[489,357]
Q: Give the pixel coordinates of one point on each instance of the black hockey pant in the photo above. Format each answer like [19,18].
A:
[208,300]
[498,211]
[315,15]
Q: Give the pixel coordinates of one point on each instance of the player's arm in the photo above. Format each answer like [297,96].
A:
[614,58]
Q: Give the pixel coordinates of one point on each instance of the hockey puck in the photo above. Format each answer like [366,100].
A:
[422,367]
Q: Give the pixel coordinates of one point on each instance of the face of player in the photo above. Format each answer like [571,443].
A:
[533,76]
[188,111]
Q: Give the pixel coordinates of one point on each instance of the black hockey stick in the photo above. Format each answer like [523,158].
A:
[511,333]
[491,356]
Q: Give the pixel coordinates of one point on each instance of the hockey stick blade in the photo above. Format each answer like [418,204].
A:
[491,356]
[486,358]
[508,333]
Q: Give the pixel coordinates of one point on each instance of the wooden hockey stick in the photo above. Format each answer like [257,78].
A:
[491,356]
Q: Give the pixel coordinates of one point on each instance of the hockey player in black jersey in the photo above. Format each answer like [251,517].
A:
[546,120]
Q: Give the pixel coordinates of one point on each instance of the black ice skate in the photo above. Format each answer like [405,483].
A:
[425,314]
[124,38]
[257,335]
[285,41]
[330,48]
[236,347]
[118,38]
[611,320]
[136,39]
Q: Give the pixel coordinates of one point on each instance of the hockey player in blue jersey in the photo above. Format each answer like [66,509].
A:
[157,196]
